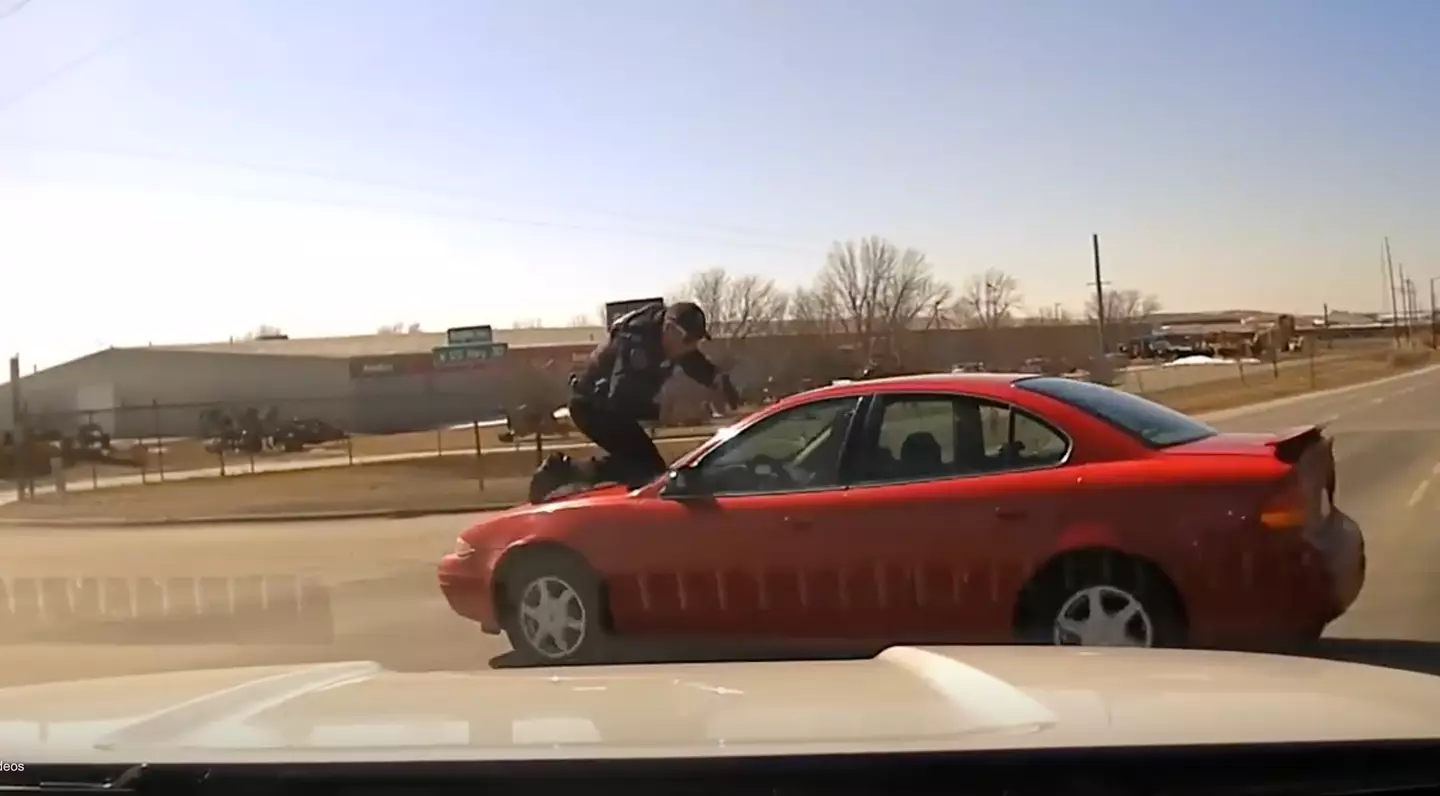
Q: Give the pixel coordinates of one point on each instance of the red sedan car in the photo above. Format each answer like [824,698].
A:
[963,507]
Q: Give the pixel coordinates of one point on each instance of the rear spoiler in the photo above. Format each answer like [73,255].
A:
[1291,444]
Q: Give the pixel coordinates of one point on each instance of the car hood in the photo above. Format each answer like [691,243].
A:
[905,699]
[603,495]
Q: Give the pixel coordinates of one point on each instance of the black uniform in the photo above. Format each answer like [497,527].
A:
[621,384]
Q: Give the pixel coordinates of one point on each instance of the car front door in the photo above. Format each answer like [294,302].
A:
[738,560]
[945,494]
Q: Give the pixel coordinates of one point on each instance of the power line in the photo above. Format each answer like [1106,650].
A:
[770,238]
[80,61]
[11,11]
[67,68]
[485,217]
[763,239]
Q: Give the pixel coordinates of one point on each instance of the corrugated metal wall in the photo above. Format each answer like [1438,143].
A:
[413,401]
[164,392]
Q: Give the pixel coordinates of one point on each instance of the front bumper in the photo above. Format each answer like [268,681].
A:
[466,583]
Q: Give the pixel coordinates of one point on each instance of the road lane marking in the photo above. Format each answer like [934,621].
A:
[1379,400]
[1418,494]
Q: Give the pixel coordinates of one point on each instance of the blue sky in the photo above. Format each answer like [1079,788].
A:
[183,170]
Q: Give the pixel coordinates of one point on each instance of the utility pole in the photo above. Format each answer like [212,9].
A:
[1407,293]
[1099,296]
[1390,276]
[17,435]
[1412,304]
[1413,313]
[1434,328]
[1404,302]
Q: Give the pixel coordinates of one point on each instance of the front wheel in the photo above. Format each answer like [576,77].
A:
[553,611]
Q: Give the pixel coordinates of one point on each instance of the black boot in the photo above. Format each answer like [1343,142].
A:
[556,471]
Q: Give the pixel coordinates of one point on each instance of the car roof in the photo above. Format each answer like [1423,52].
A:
[975,383]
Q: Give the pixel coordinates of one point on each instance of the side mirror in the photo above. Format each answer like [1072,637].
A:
[683,484]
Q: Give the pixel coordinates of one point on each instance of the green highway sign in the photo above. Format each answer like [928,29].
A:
[452,355]
[469,335]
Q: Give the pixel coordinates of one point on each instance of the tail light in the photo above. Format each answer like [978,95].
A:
[1287,509]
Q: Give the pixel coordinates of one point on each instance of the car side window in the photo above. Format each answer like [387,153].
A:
[922,437]
[1016,440]
[916,440]
[794,450]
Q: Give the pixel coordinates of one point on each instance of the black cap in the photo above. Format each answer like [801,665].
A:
[689,317]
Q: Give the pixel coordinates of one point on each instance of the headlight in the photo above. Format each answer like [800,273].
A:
[463,549]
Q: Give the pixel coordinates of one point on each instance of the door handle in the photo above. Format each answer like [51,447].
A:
[1009,514]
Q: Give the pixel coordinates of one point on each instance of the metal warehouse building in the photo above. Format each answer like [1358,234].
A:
[401,382]
[369,383]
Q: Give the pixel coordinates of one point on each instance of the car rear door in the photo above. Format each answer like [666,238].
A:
[739,562]
[941,521]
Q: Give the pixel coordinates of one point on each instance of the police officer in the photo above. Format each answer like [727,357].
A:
[619,388]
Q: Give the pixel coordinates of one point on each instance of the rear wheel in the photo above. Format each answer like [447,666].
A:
[553,611]
[1101,599]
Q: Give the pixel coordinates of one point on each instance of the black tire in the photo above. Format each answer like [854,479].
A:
[1066,586]
[554,573]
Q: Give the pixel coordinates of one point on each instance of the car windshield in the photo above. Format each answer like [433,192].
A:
[787,438]
[1157,425]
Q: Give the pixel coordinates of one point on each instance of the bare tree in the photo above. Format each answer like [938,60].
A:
[399,327]
[528,323]
[737,307]
[581,319]
[960,315]
[811,311]
[1124,306]
[876,291]
[1053,315]
[989,300]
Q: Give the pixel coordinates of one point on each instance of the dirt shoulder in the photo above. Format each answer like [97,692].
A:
[431,484]
[458,482]
[1259,383]
[190,454]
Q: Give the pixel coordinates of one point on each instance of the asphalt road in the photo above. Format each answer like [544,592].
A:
[365,590]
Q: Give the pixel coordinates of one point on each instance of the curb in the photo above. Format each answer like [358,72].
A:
[238,519]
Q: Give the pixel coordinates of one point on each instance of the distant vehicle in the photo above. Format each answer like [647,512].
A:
[953,507]
[295,435]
